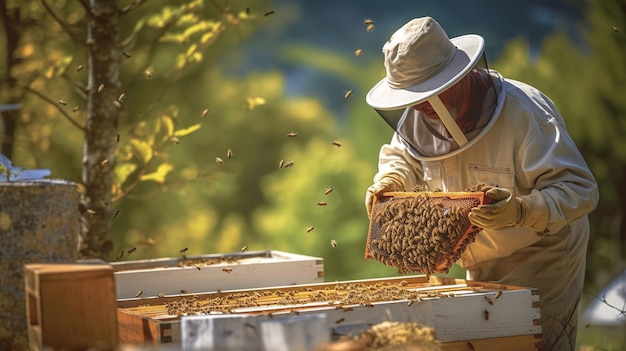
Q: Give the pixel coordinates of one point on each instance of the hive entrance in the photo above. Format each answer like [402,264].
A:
[423,232]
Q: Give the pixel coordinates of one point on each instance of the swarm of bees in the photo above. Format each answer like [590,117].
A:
[342,295]
[421,233]
[388,335]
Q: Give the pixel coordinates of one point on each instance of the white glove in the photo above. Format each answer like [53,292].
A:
[390,182]
[506,212]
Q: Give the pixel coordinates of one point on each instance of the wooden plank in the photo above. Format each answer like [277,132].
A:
[71,306]
[218,272]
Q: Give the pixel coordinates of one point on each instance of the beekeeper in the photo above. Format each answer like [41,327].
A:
[459,124]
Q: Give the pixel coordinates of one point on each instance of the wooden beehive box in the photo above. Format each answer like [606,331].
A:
[212,272]
[70,306]
[461,311]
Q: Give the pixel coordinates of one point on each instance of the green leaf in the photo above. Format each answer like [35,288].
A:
[123,171]
[196,57]
[167,124]
[173,38]
[186,131]
[186,19]
[160,174]
[191,49]
[141,149]
[181,60]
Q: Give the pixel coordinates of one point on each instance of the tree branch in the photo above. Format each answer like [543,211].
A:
[85,5]
[63,25]
[47,99]
[79,88]
[133,5]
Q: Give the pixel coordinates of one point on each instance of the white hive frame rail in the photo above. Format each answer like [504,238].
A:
[212,272]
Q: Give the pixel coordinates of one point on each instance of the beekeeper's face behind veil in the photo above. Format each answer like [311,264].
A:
[438,94]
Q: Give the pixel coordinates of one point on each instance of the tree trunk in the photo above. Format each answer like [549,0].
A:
[10,20]
[103,89]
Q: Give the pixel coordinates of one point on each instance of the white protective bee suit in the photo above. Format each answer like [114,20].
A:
[522,145]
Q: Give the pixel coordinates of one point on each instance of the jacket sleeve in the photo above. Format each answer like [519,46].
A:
[563,187]
[395,157]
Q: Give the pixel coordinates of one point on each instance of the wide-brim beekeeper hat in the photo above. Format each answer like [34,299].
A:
[421,61]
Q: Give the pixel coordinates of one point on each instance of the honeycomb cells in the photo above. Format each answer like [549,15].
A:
[422,232]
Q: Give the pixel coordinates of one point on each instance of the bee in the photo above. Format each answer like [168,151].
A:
[139,293]
[244,248]
[148,73]
[292,135]
[328,190]
[488,300]
[358,52]
[247,10]
[131,250]
[368,21]
[614,29]
[116,213]
[183,291]
[336,143]
[100,88]
[183,250]
[126,54]
[322,203]
[310,229]
[121,255]
[340,320]
[348,94]
[197,267]
[229,153]
[175,140]
[117,138]
[470,346]
[281,164]
[333,243]
[122,97]
[497,295]
[288,164]
[370,27]
[62,102]
[104,162]
[91,212]
[80,68]
[161,295]
[205,112]
[76,108]
[219,161]
[486,315]
[227,270]
[411,302]
[268,13]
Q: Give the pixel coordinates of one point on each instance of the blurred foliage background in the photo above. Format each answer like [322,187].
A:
[273,68]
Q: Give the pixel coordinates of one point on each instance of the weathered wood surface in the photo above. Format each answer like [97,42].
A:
[71,306]
[39,222]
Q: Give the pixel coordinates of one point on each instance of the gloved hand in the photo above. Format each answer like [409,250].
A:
[507,211]
[390,182]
